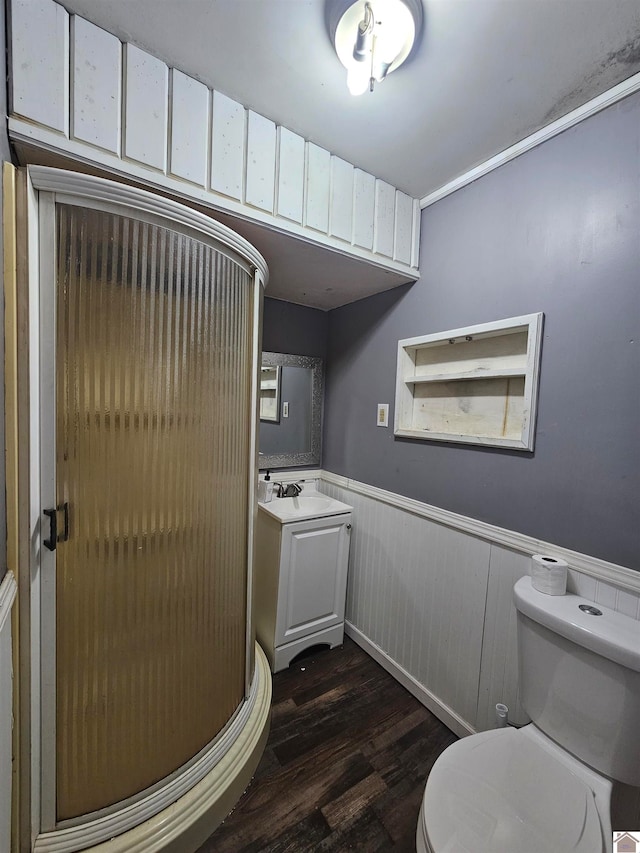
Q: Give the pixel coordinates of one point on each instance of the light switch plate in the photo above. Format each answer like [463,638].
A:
[383,415]
[285,410]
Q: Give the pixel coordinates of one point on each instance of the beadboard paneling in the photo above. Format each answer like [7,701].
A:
[417,590]
[146,94]
[40,62]
[498,680]
[189,128]
[436,601]
[95,92]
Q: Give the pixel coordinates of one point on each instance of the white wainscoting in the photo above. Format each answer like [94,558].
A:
[7,596]
[430,597]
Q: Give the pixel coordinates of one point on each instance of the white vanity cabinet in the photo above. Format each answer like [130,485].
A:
[300,583]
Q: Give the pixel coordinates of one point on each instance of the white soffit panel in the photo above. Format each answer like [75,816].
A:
[189,128]
[40,62]
[341,212]
[318,187]
[261,162]
[95,90]
[290,174]
[146,108]
[227,146]
[363,209]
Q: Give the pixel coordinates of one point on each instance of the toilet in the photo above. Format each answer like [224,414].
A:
[546,787]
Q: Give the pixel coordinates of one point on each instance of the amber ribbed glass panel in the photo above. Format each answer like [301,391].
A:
[153,413]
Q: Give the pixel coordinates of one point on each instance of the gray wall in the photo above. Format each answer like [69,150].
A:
[556,230]
[294,329]
[5,154]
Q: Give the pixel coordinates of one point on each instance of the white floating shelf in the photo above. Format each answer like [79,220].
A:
[481,373]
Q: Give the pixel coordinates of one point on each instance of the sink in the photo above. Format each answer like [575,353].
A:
[303,503]
[304,507]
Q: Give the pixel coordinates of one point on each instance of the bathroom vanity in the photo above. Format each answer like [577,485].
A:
[302,555]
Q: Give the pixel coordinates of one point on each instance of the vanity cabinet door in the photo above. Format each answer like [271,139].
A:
[313,576]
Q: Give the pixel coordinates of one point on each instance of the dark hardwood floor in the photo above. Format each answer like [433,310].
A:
[345,765]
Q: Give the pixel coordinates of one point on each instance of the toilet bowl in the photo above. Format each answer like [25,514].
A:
[513,790]
[546,787]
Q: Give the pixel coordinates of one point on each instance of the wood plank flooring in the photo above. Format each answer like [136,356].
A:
[345,766]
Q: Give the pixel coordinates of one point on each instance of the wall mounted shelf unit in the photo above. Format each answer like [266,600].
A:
[477,385]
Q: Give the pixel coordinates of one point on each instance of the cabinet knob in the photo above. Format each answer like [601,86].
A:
[348,527]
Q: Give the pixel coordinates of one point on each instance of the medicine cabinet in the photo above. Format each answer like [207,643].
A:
[476,385]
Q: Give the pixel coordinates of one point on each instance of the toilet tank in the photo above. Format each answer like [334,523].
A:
[580,678]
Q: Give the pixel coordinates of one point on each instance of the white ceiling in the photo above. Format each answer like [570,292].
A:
[485,74]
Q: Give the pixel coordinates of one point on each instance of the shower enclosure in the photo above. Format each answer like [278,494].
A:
[144,368]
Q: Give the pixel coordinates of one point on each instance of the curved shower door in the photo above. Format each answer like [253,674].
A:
[151,368]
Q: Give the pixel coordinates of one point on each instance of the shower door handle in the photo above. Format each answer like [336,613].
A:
[52,515]
[54,537]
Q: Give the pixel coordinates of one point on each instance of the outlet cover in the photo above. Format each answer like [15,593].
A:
[383,415]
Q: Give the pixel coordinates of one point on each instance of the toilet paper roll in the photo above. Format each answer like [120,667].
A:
[548,574]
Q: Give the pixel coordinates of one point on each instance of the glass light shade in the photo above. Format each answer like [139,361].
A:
[394,33]
[358,78]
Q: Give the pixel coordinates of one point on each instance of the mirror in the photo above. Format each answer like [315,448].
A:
[291,428]
[270,393]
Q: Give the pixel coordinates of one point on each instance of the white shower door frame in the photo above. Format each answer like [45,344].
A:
[45,188]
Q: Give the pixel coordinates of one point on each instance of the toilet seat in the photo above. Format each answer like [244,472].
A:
[505,791]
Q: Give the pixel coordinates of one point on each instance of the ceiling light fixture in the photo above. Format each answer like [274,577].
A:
[373,37]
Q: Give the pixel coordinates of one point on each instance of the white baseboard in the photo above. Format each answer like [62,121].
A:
[445,714]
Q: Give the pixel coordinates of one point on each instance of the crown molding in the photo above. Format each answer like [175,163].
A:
[595,105]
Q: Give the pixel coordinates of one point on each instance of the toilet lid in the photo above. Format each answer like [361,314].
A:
[498,792]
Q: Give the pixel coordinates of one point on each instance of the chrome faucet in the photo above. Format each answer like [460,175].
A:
[287,490]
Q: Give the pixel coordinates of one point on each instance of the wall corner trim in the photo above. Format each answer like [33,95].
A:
[595,105]
[8,589]
[620,576]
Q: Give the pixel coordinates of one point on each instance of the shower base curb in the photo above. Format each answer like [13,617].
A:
[185,824]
